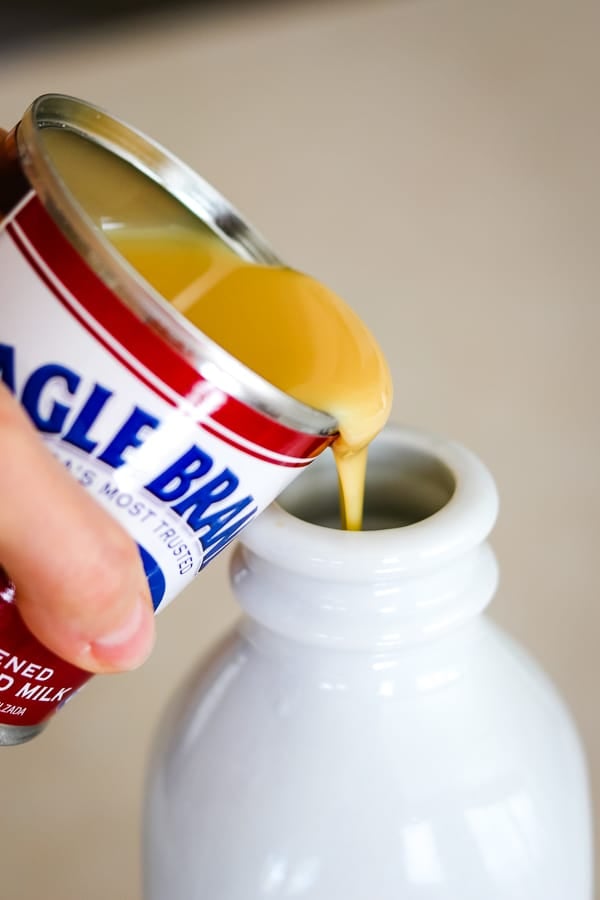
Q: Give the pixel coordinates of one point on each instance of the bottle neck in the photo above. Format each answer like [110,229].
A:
[422,569]
[376,614]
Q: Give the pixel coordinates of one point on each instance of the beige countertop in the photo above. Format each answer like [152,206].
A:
[436,163]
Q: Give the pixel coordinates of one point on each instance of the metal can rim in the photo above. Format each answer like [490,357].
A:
[193,192]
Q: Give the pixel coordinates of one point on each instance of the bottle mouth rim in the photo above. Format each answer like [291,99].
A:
[190,190]
[452,528]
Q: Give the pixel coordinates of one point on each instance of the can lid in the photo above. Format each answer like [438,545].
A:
[193,193]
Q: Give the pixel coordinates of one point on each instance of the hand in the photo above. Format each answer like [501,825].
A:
[80,585]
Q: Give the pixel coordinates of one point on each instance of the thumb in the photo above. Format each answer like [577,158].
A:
[80,585]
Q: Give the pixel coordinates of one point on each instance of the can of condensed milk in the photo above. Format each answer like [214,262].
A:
[178,440]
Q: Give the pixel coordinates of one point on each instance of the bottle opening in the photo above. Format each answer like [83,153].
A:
[401,490]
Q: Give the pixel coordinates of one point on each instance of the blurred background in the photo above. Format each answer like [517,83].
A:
[68,18]
[435,162]
[71,19]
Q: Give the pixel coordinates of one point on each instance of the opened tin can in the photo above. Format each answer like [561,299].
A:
[174,437]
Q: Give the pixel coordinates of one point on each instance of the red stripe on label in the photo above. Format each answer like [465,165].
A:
[203,423]
[145,342]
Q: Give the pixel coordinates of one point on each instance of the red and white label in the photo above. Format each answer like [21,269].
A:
[180,463]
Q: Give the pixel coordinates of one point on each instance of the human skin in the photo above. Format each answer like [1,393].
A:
[80,584]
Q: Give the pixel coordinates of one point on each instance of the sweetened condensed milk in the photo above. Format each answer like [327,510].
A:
[167,358]
[283,325]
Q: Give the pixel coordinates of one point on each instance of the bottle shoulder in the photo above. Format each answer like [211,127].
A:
[460,746]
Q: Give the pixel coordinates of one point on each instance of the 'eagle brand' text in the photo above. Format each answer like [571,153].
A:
[208,500]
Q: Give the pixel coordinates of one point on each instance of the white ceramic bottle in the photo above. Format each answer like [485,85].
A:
[367,734]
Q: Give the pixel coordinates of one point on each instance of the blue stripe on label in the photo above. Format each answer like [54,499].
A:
[155,576]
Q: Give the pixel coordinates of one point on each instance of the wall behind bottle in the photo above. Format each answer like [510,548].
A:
[26,25]
[435,163]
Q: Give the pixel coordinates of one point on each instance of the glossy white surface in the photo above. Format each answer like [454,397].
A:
[366,732]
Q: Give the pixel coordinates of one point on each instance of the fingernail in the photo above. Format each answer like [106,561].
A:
[129,645]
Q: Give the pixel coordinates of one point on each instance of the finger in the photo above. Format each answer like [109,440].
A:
[81,588]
